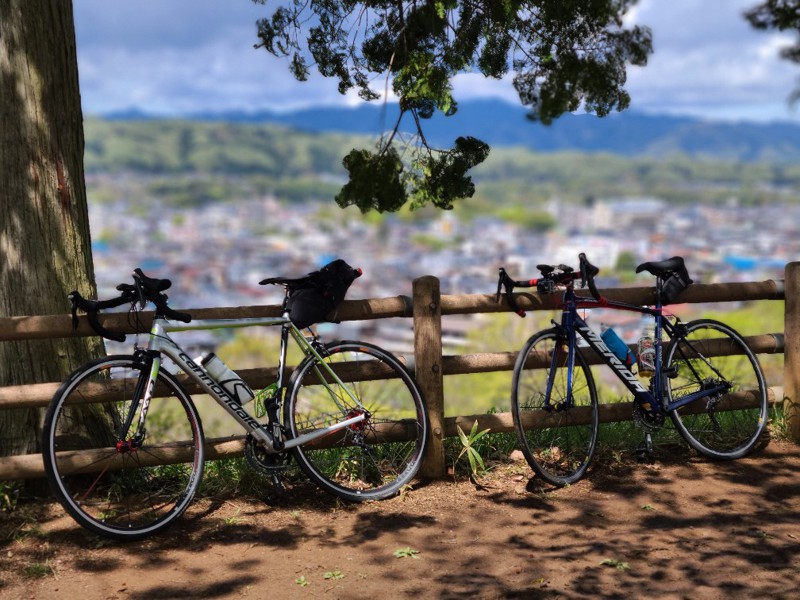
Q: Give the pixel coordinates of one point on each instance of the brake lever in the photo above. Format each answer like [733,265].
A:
[74,298]
[506,282]
[139,291]
[500,284]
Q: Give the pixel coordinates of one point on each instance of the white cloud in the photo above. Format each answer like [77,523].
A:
[194,55]
[708,61]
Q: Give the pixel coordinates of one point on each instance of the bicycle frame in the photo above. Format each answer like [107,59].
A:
[572,324]
[161,343]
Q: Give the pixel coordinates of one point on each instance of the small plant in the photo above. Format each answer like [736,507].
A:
[648,507]
[37,570]
[233,519]
[404,490]
[617,564]
[406,553]
[468,443]
[761,534]
[9,493]
[302,581]
[334,575]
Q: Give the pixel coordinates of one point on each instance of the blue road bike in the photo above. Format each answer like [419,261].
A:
[706,378]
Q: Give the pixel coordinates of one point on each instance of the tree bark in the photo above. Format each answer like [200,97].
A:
[45,249]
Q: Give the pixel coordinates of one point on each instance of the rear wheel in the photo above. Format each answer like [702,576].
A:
[710,355]
[554,409]
[370,459]
[113,482]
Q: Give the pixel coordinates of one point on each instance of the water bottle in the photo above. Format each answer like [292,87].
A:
[227,378]
[646,355]
[614,343]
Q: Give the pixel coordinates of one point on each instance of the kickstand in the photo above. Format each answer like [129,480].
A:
[277,484]
[644,452]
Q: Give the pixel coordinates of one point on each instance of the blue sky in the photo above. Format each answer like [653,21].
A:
[174,57]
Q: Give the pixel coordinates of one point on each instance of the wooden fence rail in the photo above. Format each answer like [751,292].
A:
[426,306]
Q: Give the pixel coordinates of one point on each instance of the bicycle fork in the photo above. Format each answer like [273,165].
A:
[563,348]
[140,403]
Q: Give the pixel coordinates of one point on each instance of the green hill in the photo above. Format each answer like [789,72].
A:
[197,161]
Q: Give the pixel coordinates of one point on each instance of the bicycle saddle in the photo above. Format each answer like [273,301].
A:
[662,268]
[290,281]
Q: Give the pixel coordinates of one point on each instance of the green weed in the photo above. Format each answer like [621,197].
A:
[617,564]
[38,570]
[468,443]
[334,575]
[406,553]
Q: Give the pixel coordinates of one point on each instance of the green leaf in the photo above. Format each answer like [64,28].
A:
[406,553]
[565,55]
[617,564]
[334,575]
[462,436]
[375,181]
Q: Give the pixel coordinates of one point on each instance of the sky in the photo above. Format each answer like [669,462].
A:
[177,57]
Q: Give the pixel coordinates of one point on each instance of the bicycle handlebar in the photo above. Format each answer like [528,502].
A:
[144,289]
[552,276]
[588,272]
[505,282]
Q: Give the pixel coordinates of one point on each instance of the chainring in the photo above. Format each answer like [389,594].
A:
[649,422]
[262,461]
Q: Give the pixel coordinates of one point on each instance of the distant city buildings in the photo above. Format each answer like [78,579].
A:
[216,254]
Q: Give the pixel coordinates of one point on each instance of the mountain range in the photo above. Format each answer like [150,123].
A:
[502,124]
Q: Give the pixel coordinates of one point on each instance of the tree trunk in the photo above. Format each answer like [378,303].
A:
[45,249]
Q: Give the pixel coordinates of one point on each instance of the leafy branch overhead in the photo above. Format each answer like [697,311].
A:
[564,55]
[783,15]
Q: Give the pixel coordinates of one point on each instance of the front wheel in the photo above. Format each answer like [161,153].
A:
[709,355]
[114,479]
[554,408]
[370,459]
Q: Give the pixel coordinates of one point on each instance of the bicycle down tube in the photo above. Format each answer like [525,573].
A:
[160,342]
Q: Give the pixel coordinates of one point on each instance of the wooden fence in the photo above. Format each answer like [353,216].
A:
[426,306]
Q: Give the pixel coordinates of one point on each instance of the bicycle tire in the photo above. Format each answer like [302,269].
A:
[375,458]
[730,424]
[107,486]
[557,442]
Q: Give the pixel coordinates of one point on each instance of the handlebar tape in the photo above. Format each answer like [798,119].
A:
[91,308]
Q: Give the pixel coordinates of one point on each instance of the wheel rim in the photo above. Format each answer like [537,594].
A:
[373,457]
[557,434]
[727,424]
[123,487]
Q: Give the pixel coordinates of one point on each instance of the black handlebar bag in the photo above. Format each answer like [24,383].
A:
[318,293]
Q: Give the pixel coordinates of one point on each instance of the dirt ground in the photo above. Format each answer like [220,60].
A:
[684,528]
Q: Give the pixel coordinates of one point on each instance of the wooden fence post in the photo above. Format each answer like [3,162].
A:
[428,368]
[791,357]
